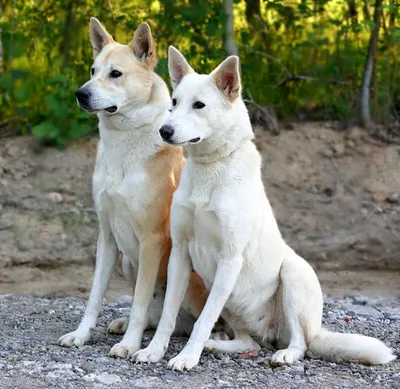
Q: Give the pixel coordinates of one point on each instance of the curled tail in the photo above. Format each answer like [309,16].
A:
[337,347]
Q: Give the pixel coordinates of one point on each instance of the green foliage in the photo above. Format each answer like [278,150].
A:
[299,56]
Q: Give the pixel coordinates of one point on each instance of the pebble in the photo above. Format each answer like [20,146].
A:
[362,310]
[171,376]
[394,197]
[89,367]
[55,197]
[106,378]
[124,301]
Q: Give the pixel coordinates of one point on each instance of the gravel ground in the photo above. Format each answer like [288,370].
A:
[31,359]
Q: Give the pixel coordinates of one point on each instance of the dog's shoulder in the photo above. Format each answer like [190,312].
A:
[166,164]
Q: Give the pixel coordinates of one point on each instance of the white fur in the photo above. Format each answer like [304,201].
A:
[126,193]
[119,191]
[222,224]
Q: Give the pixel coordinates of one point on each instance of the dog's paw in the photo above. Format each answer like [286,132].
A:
[151,354]
[121,350]
[219,336]
[185,360]
[75,338]
[118,326]
[284,357]
[211,345]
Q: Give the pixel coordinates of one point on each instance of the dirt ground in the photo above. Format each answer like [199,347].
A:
[336,195]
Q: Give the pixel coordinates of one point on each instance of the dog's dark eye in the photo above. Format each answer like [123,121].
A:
[198,105]
[173,102]
[92,71]
[115,74]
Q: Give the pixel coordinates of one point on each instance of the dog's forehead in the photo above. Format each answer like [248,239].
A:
[193,85]
[115,55]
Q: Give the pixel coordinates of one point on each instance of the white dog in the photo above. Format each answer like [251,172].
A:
[135,176]
[223,225]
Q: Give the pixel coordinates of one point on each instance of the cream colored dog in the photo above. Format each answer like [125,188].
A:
[222,224]
[135,176]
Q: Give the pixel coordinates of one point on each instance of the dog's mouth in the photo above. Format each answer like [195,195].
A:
[192,141]
[112,109]
[85,107]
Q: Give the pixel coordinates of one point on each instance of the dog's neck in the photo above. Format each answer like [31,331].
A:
[217,148]
[134,135]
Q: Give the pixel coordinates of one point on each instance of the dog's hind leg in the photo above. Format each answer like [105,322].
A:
[118,326]
[299,309]
[241,343]
[107,254]
[219,342]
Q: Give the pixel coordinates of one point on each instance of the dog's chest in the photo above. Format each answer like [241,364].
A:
[119,198]
[201,224]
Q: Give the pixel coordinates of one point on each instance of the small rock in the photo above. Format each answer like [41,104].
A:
[350,143]
[6,261]
[14,151]
[106,378]
[123,301]
[280,368]
[338,149]
[55,197]
[365,150]
[250,354]
[89,367]
[355,133]
[363,310]
[52,375]
[376,240]
[378,197]
[327,153]
[28,363]
[394,197]
[69,199]
[171,376]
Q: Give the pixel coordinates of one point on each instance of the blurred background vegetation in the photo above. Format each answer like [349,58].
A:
[313,59]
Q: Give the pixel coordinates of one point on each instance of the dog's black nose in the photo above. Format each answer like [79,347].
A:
[82,94]
[166,131]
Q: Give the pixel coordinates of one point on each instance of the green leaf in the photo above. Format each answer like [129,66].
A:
[45,129]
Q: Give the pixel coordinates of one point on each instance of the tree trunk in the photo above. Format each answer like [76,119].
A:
[366,10]
[252,11]
[352,11]
[369,66]
[1,42]
[229,39]
[67,33]
[390,57]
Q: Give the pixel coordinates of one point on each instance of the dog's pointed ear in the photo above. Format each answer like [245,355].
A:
[227,78]
[143,45]
[177,66]
[99,37]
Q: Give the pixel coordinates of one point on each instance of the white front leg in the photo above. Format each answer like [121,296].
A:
[225,279]
[179,268]
[151,250]
[107,253]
